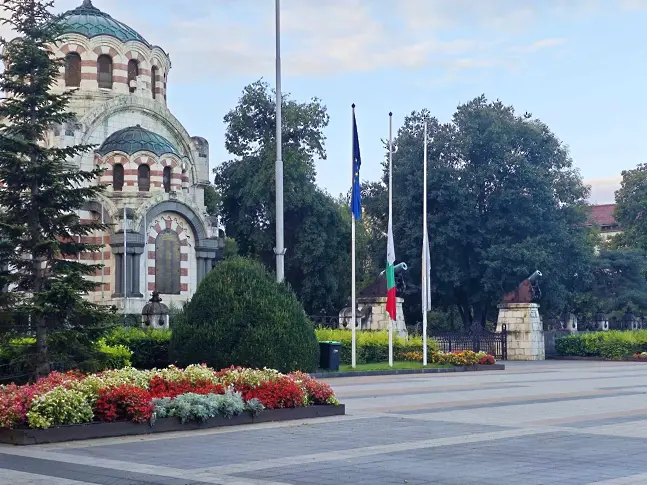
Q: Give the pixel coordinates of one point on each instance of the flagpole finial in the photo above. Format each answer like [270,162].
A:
[390,113]
[352,105]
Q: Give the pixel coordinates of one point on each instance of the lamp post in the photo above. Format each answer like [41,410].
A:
[279,250]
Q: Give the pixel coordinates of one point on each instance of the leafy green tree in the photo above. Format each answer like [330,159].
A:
[503,200]
[41,191]
[631,209]
[317,232]
[617,281]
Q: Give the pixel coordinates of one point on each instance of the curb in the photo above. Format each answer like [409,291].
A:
[467,368]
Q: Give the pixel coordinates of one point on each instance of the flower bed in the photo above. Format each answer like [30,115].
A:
[458,358]
[197,393]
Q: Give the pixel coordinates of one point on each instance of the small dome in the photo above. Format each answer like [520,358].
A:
[89,21]
[135,139]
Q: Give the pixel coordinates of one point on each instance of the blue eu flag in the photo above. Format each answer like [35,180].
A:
[356,198]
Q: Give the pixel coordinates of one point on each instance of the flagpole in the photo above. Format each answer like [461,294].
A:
[425,243]
[390,222]
[353,303]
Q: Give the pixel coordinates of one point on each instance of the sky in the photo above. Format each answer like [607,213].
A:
[578,65]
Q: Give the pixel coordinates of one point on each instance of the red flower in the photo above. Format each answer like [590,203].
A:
[124,403]
[282,392]
[160,387]
[487,360]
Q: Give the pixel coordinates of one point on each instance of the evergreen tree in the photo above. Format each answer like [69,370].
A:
[41,193]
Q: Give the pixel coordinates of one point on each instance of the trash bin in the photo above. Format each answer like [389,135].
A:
[329,354]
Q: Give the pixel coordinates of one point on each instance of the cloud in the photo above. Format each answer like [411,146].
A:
[210,39]
[603,189]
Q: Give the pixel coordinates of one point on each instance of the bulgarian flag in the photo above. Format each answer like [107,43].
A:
[390,274]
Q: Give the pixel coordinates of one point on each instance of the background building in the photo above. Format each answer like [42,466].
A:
[160,236]
[601,216]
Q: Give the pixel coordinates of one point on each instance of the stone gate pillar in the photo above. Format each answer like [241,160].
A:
[525,330]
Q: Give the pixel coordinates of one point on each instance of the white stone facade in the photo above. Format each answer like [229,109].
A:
[525,330]
[136,104]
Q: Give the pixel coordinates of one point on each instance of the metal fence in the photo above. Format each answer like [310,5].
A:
[476,339]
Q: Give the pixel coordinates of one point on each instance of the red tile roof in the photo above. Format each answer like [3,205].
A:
[602,215]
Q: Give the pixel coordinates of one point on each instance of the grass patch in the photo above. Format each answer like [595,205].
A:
[396,365]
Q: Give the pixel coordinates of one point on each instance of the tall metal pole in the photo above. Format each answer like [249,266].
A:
[279,250]
[353,303]
[425,249]
[390,224]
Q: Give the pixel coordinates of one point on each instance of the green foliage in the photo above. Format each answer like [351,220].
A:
[317,227]
[506,201]
[114,356]
[150,347]
[631,209]
[231,248]
[40,230]
[616,281]
[17,356]
[197,407]
[613,344]
[212,200]
[58,407]
[372,347]
[241,316]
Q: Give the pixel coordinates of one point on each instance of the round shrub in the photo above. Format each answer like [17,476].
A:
[240,316]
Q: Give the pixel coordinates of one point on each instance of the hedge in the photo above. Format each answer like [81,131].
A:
[613,344]
[373,347]
[149,347]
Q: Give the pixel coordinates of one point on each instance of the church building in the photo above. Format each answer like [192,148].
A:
[160,237]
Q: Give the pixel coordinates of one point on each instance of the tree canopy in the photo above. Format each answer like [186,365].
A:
[503,201]
[631,209]
[317,237]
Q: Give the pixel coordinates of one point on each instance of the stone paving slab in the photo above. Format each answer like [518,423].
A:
[220,449]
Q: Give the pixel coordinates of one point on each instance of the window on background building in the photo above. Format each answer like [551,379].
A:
[73,70]
[104,71]
[154,80]
[133,72]
[166,178]
[118,177]
[167,263]
[144,178]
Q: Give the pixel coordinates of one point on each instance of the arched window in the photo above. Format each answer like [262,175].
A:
[104,71]
[73,70]
[166,178]
[167,263]
[144,178]
[154,80]
[118,177]
[133,72]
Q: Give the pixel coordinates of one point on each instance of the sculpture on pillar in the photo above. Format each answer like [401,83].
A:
[527,292]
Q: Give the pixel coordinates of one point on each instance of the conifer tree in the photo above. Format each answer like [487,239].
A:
[41,193]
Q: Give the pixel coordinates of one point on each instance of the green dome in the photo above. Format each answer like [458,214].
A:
[89,21]
[136,139]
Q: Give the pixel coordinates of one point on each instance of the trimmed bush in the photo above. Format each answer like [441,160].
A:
[613,344]
[150,347]
[373,347]
[240,316]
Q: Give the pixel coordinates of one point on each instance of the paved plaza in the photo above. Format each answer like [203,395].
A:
[548,422]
